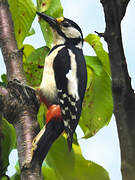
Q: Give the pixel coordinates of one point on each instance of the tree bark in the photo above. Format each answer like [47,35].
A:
[123,94]
[20,105]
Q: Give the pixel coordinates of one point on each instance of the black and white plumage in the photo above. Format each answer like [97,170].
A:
[65,76]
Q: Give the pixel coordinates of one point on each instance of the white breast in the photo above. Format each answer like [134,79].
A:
[48,85]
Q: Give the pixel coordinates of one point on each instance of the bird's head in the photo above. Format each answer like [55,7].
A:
[65,31]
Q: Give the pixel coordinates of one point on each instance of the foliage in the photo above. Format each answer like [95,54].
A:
[97,106]
[34,63]
[52,8]
[73,163]
[8,142]
[23,13]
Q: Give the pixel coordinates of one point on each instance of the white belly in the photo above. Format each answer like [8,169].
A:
[48,85]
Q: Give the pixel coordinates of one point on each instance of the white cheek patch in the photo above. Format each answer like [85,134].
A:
[57,39]
[71,32]
[72,78]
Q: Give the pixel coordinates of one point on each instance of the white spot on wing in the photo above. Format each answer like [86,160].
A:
[66,108]
[73,117]
[64,95]
[72,103]
[63,111]
[61,101]
[66,124]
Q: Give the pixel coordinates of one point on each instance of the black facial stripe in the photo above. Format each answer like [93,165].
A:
[74,41]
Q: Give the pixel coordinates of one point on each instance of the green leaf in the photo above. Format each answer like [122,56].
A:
[72,165]
[97,105]
[48,173]
[31,32]
[16,177]
[94,63]
[102,55]
[52,8]
[4,80]
[8,142]
[34,64]
[27,50]
[41,116]
[4,178]
[23,13]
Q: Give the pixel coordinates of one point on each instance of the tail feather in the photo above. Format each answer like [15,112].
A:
[52,132]
[69,142]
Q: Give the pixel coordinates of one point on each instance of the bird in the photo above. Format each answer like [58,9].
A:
[64,79]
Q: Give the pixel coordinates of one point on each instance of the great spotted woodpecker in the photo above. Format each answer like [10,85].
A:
[65,76]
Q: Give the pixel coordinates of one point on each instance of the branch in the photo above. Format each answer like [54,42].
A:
[123,94]
[11,54]
[1,135]
[122,7]
[20,105]
[3,93]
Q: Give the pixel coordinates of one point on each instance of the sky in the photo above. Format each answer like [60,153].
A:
[103,148]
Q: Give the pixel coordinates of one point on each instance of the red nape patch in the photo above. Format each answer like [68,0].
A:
[54,112]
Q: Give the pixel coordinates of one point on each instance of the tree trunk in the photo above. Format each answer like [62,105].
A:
[19,108]
[123,94]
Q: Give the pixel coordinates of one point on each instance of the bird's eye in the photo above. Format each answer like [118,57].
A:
[65,24]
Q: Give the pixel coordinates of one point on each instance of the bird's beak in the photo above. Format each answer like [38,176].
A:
[51,21]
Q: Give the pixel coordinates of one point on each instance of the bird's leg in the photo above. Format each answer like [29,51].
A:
[36,140]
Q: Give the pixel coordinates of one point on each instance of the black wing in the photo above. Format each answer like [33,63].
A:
[70,105]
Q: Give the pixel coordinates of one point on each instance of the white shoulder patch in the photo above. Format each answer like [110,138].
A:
[72,77]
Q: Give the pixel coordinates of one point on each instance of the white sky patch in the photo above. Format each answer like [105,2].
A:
[128,36]
[13,158]
[103,149]
[2,65]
